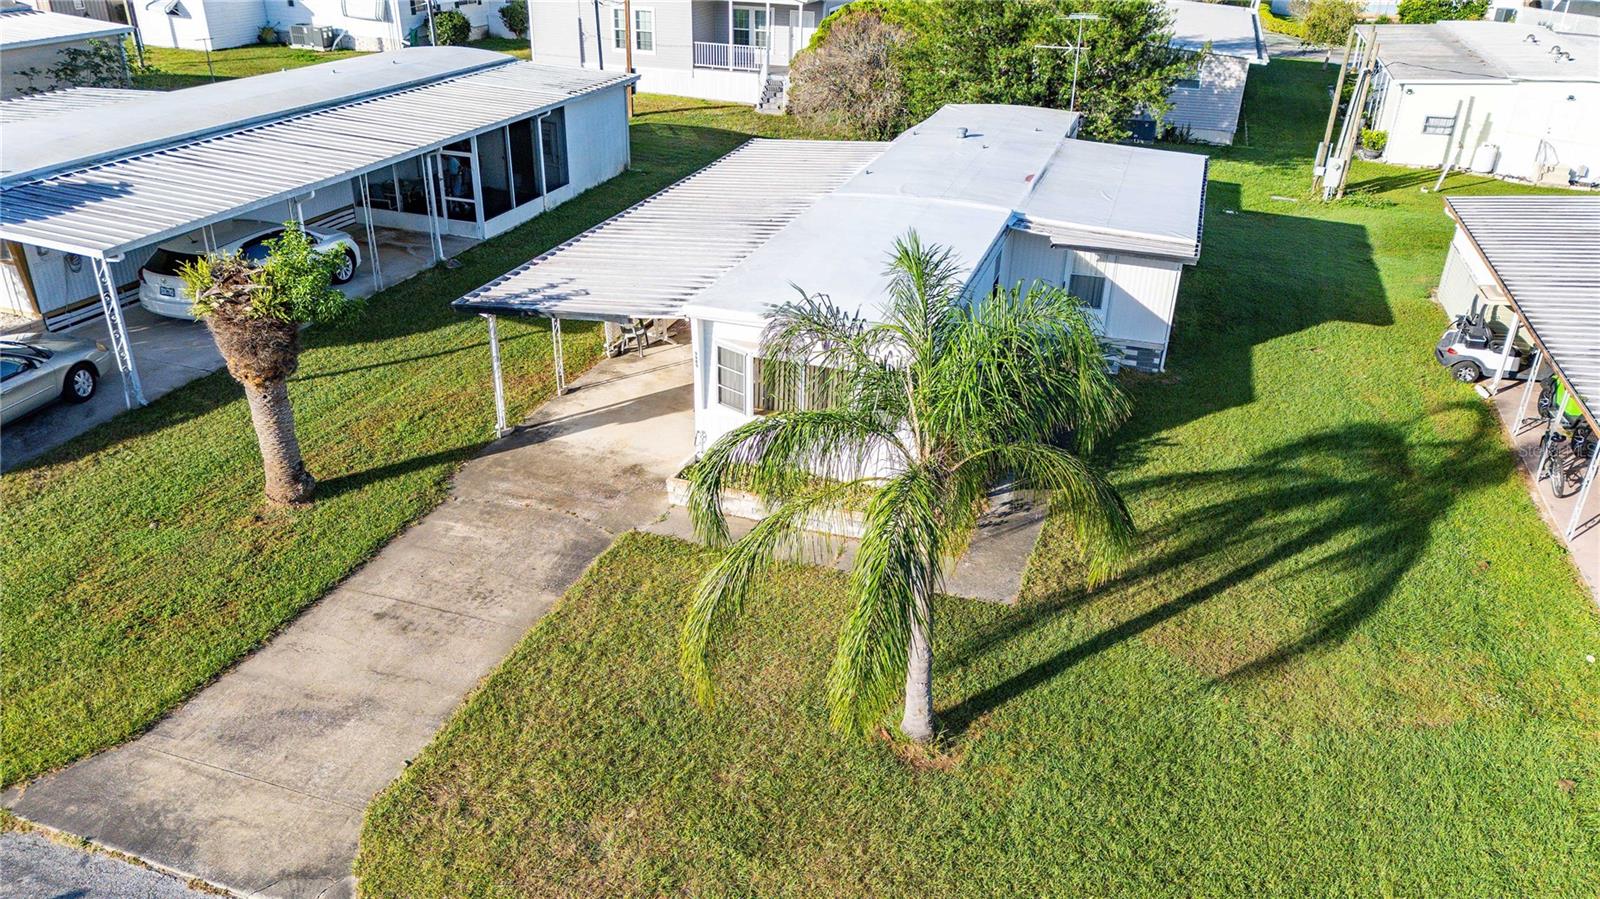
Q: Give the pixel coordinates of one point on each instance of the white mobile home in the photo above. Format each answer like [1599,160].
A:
[1006,188]
[33,42]
[1497,97]
[438,141]
[322,24]
[1206,107]
[713,49]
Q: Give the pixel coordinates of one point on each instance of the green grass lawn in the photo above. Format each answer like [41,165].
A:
[169,69]
[138,561]
[1347,657]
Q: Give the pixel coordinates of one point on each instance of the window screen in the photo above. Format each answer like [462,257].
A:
[619,29]
[553,135]
[1438,124]
[1189,83]
[644,30]
[730,378]
[1087,281]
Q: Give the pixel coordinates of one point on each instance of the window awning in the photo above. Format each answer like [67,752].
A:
[651,259]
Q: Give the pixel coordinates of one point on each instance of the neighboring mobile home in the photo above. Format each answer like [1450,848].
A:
[433,140]
[1206,107]
[1006,188]
[32,43]
[334,24]
[1497,97]
[713,49]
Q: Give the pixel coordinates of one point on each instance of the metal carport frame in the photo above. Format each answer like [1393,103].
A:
[647,262]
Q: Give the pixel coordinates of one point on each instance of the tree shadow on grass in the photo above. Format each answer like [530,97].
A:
[1348,510]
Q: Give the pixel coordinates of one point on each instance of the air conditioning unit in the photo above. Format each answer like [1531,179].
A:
[313,37]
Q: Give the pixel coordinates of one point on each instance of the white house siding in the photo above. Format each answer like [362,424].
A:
[1529,122]
[1210,112]
[233,23]
[64,282]
[1136,314]
[187,30]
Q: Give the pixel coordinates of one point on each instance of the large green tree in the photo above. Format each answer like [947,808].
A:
[923,414]
[994,51]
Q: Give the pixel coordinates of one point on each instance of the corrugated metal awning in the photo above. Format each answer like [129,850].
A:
[118,205]
[1546,252]
[62,102]
[23,27]
[649,260]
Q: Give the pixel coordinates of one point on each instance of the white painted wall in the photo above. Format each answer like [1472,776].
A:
[1528,121]
[188,29]
[367,24]
[1141,296]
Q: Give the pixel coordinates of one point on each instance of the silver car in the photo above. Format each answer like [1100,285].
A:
[38,369]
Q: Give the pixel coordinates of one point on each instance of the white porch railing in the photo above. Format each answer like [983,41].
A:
[735,57]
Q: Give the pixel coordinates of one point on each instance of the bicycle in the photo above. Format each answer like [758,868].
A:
[1567,457]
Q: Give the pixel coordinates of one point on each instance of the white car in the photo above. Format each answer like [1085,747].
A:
[161,288]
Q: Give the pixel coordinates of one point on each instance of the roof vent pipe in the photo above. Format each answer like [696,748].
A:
[961,132]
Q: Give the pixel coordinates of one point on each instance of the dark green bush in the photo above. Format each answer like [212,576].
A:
[450,29]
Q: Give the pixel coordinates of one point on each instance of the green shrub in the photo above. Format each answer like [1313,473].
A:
[1374,140]
[450,29]
[1280,24]
[1424,12]
[1327,23]
[514,16]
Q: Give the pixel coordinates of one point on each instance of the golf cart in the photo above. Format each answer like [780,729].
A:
[1471,349]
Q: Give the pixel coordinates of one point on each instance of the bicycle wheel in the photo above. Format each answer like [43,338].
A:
[1569,478]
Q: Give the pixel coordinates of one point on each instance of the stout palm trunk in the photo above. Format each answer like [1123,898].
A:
[261,355]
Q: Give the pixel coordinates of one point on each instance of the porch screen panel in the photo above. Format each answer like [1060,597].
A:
[496,173]
[524,162]
[553,134]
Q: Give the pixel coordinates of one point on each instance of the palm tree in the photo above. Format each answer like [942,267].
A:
[254,312]
[949,398]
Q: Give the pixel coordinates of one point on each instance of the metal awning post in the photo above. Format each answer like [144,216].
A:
[428,187]
[1583,498]
[1505,355]
[558,356]
[372,234]
[132,392]
[1527,392]
[500,427]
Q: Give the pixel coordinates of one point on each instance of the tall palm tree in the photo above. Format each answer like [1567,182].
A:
[254,311]
[925,412]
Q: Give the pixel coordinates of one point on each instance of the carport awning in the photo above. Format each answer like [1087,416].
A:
[111,207]
[649,260]
[1543,251]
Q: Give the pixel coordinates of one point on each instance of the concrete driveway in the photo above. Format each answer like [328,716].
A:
[258,783]
[170,353]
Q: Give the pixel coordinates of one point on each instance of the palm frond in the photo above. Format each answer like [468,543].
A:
[898,564]
[777,455]
[924,295]
[722,592]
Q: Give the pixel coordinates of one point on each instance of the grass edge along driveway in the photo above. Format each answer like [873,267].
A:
[139,561]
[1348,657]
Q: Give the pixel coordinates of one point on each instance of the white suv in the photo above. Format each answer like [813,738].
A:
[161,288]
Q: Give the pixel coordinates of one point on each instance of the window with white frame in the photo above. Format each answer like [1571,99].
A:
[749,27]
[783,386]
[1439,124]
[1086,278]
[731,378]
[619,28]
[644,30]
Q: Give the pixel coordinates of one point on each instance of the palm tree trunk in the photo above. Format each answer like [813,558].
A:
[917,722]
[287,479]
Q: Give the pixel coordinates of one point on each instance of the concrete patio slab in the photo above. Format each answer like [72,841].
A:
[258,783]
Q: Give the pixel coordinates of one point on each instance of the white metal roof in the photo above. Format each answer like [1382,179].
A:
[1013,166]
[66,101]
[113,206]
[648,261]
[1230,30]
[22,26]
[1485,51]
[1546,251]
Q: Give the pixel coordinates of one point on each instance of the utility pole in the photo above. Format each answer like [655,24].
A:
[1077,53]
[627,30]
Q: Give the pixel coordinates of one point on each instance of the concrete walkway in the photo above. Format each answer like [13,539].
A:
[258,784]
